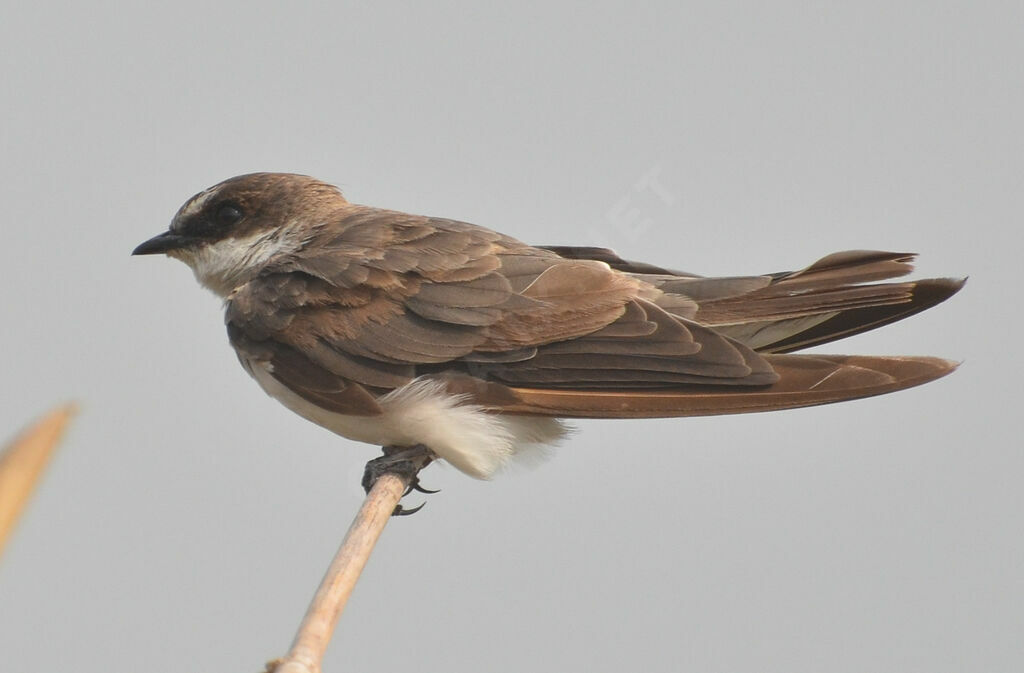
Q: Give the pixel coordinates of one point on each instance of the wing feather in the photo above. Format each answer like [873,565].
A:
[388,297]
[803,381]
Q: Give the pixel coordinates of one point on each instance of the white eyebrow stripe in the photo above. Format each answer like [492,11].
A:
[194,206]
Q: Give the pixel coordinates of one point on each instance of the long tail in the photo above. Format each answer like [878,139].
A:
[836,297]
[832,299]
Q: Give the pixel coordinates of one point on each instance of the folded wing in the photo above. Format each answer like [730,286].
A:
[389,297]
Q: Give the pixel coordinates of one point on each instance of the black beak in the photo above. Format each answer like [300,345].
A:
[163,243]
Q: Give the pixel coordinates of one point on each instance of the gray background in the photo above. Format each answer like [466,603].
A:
[188,517]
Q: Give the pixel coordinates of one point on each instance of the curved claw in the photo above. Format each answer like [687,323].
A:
[401,511]
[415,486]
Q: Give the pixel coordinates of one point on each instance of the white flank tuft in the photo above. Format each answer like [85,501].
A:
[469,437]
[474,440]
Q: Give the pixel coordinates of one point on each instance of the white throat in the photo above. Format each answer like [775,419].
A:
[230,263]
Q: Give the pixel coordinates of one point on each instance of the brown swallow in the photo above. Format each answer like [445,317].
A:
[403,330]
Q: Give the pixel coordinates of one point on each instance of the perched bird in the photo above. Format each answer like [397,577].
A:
[403,330]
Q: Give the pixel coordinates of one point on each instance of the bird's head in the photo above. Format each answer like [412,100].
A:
[228,232]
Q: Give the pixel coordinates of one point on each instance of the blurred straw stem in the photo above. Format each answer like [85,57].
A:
[22,463]
[315,632]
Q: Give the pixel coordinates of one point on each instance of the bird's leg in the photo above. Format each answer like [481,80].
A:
[404,461]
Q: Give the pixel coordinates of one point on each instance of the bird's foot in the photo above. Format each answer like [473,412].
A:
[406,462]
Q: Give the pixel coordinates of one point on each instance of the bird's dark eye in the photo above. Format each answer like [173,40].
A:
[229,214]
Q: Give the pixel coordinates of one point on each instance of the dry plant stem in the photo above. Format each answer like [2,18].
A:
[315,632]
[22,463]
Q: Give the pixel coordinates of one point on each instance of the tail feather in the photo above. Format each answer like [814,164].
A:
[835,297]
[924,295]
[849,267]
